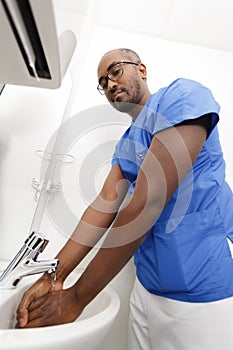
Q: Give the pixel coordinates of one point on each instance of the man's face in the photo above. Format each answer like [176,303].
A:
[121,82]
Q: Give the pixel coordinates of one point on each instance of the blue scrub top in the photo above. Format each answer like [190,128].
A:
[185,255]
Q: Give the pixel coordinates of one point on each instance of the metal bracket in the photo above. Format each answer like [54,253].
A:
[51,187]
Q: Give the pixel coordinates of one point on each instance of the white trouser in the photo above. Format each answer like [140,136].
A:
[158,323]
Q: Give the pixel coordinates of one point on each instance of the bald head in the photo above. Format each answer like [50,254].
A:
[122,78]
[125,53]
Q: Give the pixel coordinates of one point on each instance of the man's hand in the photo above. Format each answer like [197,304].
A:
[55,308]
[39,289]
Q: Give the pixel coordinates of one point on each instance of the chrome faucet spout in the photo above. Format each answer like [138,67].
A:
[25,262]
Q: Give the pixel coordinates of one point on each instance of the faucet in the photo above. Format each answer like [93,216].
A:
[25,262]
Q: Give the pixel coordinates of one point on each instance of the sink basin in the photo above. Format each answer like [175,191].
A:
[84,333]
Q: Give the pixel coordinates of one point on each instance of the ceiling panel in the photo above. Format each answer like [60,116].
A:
[146,17]
[206,23]
[203,22]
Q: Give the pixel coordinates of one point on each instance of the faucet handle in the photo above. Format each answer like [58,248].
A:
[36,242]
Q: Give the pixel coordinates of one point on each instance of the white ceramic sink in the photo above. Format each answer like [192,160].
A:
[85,333]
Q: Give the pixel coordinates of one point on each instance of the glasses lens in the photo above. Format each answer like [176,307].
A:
[115,72]
[100,89]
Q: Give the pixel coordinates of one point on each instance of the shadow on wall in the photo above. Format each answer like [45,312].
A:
[3,151]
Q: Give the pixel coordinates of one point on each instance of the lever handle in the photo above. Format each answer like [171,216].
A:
[36,242]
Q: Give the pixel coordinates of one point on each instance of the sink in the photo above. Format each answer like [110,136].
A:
[86,332]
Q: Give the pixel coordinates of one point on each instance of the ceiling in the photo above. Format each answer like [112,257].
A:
[206,23]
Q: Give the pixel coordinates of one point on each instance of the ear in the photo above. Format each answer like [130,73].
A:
[142,69]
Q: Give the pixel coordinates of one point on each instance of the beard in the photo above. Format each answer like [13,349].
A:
[124,107]
[127,104]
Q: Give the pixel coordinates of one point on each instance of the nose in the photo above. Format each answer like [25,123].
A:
[111,85]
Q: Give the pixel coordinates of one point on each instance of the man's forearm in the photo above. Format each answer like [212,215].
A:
[107,263]
[123,239]
[88,232]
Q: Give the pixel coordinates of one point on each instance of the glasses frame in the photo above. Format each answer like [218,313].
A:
[107,77]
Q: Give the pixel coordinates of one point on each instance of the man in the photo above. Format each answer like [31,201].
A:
[172,214]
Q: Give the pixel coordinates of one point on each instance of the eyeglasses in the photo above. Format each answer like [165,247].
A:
[114,72]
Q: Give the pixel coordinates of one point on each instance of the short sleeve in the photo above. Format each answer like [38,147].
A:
[182,100]
[116,156]
[115,159]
